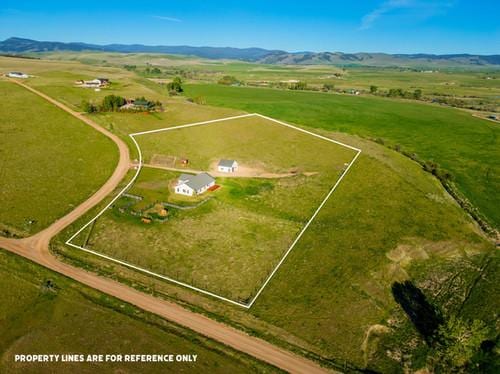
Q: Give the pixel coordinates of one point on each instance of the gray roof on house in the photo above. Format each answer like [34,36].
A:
[198,181]
[226,163]
[185,177]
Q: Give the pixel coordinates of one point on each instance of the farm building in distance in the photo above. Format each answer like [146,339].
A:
[17,74]
[138,105]
[190,185]
[227,166]
[94,83]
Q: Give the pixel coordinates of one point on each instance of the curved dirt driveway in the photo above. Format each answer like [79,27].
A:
[36,248]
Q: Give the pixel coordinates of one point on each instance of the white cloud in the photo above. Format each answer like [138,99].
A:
[424,8]
[170,19]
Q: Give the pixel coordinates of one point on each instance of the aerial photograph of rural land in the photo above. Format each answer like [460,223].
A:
[250,187]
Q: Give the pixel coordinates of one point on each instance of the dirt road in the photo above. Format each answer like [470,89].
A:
[36,248]
[242,172]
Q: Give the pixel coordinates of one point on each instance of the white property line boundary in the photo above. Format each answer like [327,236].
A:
[268,279]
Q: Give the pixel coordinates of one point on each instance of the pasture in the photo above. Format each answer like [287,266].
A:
[46,167]
[37,305]
[232,242]
[389,220]
[446,136]
[433,81]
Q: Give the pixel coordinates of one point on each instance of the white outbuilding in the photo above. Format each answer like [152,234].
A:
[227,166]
[17,74]
[190,185]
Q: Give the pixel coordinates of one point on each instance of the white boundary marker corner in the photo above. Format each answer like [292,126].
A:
[139,167]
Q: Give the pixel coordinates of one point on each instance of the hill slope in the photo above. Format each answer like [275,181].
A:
[20,45]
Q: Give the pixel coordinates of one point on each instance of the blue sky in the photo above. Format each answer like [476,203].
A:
[393,26]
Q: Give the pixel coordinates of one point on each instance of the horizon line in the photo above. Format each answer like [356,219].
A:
[244,48]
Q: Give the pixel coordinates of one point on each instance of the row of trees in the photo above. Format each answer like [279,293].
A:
[114,103]
[397,92]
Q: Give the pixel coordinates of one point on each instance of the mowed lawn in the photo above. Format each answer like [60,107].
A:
[49,161]
[67,318]
[232,242]
[466,146]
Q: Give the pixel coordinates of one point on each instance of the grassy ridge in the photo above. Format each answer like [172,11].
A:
[46,168]
[87,322]
[468,147]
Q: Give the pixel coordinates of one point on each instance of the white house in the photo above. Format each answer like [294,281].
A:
[94,83]
[17,74]
[190,185]
[227,166]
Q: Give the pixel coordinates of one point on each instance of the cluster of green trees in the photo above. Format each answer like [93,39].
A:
[397,92]
[152,71]
[175,87]
[229,80]
[110,103]
[455,345]
[300,85]
[327,87]
[113,103]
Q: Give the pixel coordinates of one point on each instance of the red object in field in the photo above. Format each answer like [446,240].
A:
[214,187]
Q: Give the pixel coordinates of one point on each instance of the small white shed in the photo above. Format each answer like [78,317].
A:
[227,166]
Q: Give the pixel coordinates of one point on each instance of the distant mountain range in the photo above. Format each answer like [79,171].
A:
[19,46]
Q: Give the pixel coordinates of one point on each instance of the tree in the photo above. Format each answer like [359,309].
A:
[395,92]
[301,85]
[373,89]
[175,86]
[417,94]
[459,342]
[228,80]
[328,87]
[88,107]
[112,103]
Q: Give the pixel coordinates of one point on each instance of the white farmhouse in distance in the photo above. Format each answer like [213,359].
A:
[227,166]
[17,74]
[190,185]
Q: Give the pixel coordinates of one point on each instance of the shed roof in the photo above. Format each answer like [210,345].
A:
[226,163]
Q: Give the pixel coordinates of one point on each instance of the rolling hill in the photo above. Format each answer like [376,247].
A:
[20,46]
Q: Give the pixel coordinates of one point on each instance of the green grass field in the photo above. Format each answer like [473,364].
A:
[389,220]
[232,242]
[50,161]
[446,136]
[471,85]
[68,318]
